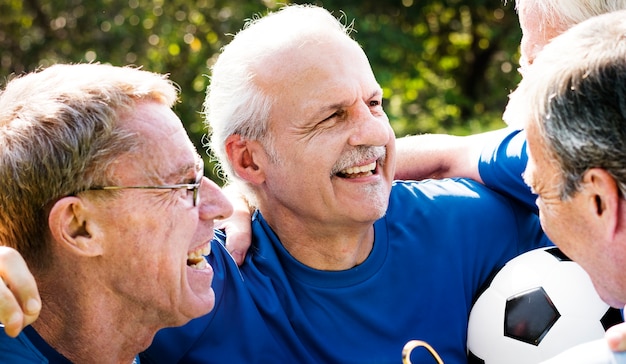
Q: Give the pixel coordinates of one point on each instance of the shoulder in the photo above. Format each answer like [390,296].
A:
[464,209]
[449,190]
[459,200]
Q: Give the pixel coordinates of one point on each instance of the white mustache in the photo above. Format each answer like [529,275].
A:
[358,156]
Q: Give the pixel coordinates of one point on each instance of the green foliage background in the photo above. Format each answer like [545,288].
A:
[446,66]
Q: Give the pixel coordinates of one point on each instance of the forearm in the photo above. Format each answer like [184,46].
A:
[439,156]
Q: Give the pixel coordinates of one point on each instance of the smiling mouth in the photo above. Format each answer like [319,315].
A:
[196,259]
[358,171]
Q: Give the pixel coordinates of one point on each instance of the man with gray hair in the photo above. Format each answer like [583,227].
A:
[572,104]
[345,265]
[103,195]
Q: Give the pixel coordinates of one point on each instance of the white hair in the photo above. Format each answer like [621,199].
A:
[235,104]
[575,95]
[563,14]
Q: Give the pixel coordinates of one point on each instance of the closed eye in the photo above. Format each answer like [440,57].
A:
[338,113]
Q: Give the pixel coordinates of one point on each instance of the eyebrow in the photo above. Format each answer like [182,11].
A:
[183,170]
[339,105]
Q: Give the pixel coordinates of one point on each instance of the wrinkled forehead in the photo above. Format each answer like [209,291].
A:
[165,144]
[315,74]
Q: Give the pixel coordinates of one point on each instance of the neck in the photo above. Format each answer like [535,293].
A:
[86,326]
[321,245]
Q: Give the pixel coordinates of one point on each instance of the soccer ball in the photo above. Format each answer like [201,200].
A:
[538,305]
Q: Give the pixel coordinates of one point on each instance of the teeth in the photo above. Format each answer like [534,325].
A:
[200,251]
[202,264]
[359,169]
[195,259]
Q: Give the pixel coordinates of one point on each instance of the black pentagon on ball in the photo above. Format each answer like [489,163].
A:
[473,359]
[528,316]
[558,254]
[613,316]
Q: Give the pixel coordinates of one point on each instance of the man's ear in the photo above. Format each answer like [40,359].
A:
[71,227]
[604,200]
[247,157]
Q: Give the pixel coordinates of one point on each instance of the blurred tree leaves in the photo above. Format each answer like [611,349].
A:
[445,66]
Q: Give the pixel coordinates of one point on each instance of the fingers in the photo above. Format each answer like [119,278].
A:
[20,303]
[238,225]
[238,234]
[616,337]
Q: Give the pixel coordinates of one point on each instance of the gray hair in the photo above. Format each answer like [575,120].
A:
[235,104]
[563,14]
[59,133]
[575,94]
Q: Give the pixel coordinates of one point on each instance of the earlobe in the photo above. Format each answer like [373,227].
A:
[247,158]
[71,228]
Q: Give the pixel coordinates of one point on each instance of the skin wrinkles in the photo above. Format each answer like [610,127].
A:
[133,224]
[334,115]
[344,102]
[570,220]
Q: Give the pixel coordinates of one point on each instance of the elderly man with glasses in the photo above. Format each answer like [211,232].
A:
[102,193]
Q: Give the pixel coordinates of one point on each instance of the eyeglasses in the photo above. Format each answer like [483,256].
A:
[195,187]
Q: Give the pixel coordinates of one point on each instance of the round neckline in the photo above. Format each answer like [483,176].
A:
[331,279]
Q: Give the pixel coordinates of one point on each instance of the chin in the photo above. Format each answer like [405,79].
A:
[198,305]
[616,301]
[199,297]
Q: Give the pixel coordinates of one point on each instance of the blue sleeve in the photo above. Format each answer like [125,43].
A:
[502,163]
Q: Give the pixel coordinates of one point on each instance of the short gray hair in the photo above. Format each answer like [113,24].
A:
[59,133]
[575,94]
[563,15]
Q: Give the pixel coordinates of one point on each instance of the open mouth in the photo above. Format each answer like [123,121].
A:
[358,171]
[196,259]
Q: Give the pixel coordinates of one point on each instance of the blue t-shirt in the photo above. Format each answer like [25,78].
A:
[433,250]
[30,348]
[27,348]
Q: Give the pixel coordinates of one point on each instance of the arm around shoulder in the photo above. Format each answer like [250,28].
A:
[440,156]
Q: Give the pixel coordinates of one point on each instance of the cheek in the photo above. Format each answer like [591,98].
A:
[161,236]
[563,226]
[550,220]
